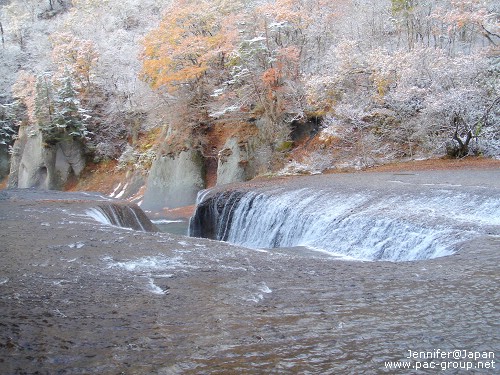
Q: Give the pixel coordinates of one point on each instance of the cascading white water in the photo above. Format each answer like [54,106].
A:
[121,215]
[366,225]
[99,215]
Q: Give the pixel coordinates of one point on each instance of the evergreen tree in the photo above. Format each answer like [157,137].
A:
[44,106]
[59,113]
[70,117]
[10,118]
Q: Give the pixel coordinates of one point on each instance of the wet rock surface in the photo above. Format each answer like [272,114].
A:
[79,297]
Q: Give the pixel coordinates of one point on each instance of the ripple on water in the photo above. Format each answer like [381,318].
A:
[148,263]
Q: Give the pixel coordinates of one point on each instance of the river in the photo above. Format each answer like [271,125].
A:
[81,297]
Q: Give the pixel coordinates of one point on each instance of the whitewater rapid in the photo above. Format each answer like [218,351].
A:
[369,224]
[122,215]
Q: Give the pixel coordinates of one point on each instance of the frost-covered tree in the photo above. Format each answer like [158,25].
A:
[69,118]
[11,116]
[423,86]
[97,42]
[190,40]
[264,69]
[394,77]
[183,59]
[23,91]
[58,113]
[19,21]
[75,57]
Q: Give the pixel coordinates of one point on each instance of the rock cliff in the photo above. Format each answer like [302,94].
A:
[37,164]
[235,161]
[174,181]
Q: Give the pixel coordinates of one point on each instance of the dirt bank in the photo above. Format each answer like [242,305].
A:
[439,165]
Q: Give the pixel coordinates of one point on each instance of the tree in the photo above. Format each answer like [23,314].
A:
[11,117]
[183,59]
[264,71]
[190,39]
[52,105]
[75,57]
[19,22]
[23,90]
[52,2]
[2,34]
[68,119]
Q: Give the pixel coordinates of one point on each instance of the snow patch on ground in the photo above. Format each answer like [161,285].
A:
[294,168]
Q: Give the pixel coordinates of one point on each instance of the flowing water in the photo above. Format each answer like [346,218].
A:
[178,226]
[368,224]
[121,215]
[80,296]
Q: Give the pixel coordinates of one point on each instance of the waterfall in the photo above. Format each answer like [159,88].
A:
[122,215]
[368,225]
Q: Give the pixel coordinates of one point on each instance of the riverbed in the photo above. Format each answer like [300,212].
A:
[81,297]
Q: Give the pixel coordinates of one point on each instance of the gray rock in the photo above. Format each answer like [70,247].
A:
[232,161]
[134,183]
[174,181]
[69,159]
[236,161]
[36,164]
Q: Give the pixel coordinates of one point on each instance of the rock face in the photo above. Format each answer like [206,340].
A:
[4,161]
[35,164]
[235,164]
[131,188]
[174,181]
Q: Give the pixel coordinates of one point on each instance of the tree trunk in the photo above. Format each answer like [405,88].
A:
[460,147]
[1,32]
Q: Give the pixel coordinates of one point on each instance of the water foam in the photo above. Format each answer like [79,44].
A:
[146,264]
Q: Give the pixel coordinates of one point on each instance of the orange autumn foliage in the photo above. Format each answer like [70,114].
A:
[191,37]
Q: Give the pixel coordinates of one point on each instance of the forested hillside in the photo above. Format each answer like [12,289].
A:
[298,85]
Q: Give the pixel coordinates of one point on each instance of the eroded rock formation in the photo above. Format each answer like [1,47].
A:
[37,164]
[174,181]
